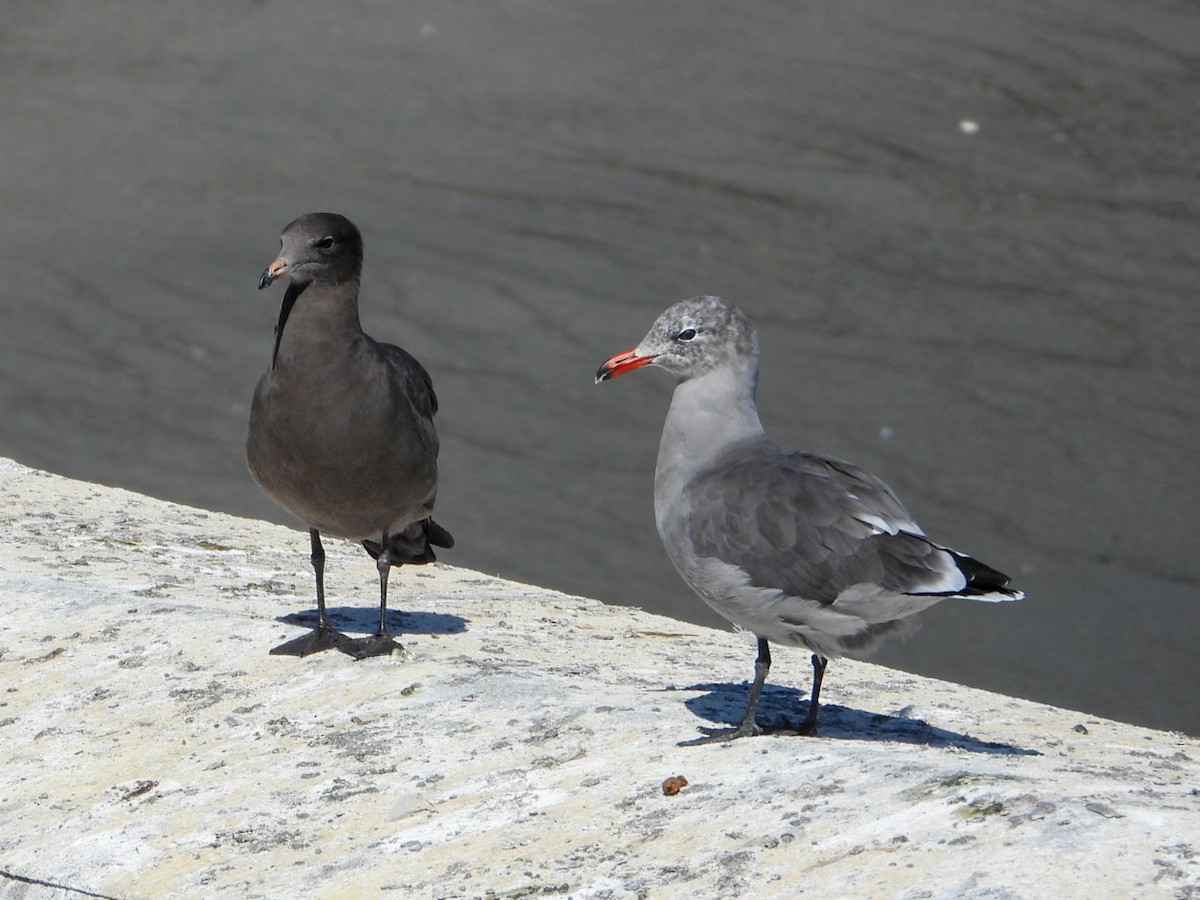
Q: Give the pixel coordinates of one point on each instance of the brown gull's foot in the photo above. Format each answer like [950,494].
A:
[379,644]
[317,640]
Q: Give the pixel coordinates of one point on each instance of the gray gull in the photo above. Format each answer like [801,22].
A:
[795,548]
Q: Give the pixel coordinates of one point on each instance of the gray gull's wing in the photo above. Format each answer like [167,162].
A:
[813,527]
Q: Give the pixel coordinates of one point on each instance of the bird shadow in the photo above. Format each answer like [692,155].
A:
[364,620]
[725,703]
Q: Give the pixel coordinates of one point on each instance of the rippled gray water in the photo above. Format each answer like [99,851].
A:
[970,239]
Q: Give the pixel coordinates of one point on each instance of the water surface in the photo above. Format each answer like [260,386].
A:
[968,234]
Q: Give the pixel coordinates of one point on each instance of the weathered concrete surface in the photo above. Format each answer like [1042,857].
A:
[151,747]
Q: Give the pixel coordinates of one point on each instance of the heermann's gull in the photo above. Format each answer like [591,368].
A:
[795,548]
[341,428]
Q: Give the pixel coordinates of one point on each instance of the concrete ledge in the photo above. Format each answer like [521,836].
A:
[151,747]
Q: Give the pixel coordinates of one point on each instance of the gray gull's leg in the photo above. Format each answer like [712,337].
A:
[748,727]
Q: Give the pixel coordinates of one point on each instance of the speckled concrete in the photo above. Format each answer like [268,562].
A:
[153,749]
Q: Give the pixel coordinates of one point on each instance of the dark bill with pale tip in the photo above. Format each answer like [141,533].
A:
[271,272]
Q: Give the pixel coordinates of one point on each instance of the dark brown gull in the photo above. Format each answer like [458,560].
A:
[795,548]
[341,427]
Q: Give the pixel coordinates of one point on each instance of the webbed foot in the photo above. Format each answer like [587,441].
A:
[721,735]
[317,640]
[380,644]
